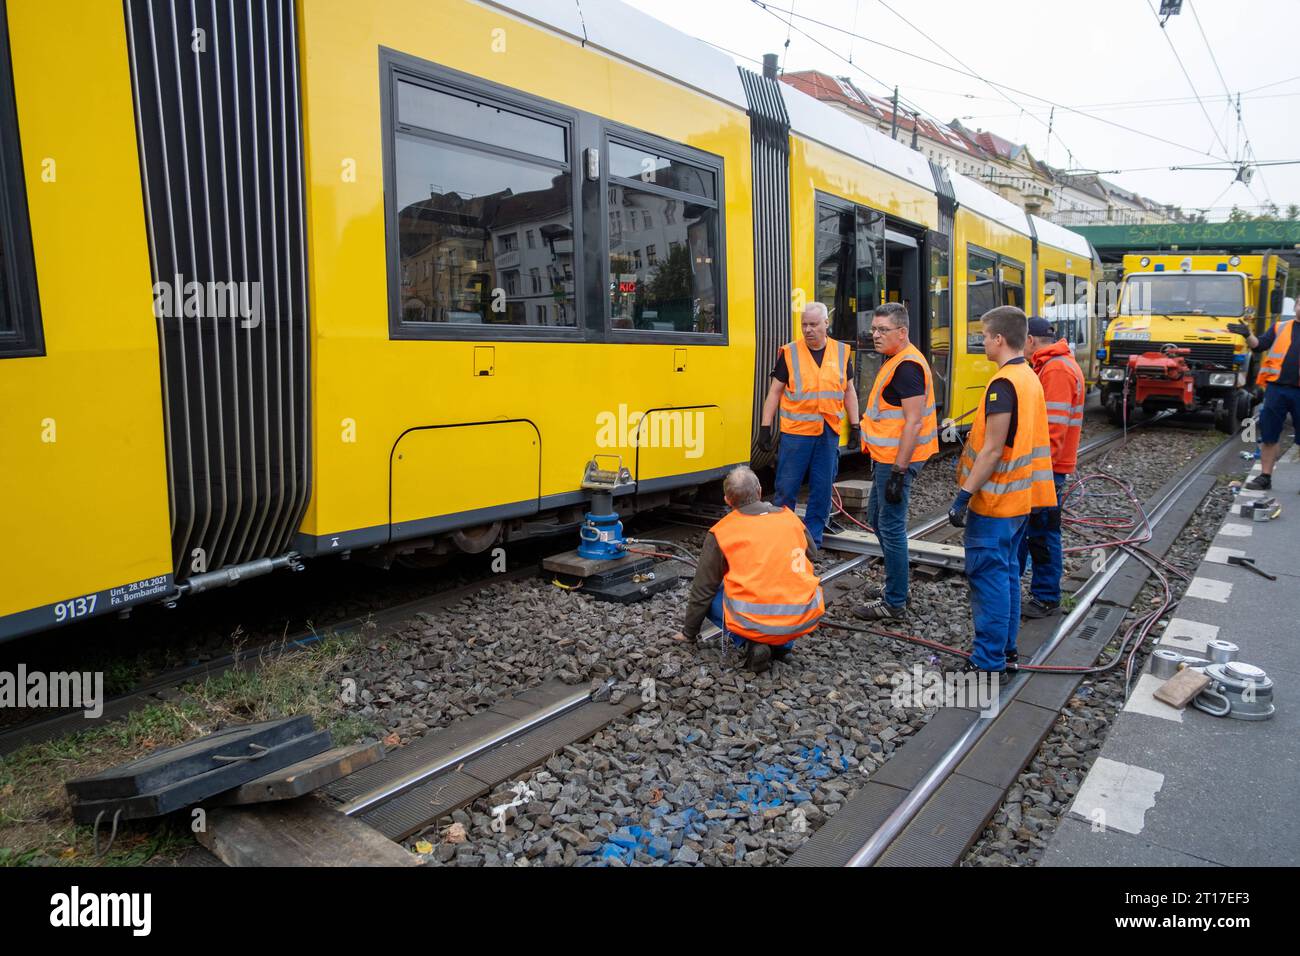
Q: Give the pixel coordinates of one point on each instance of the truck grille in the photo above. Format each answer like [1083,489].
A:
[1202,353]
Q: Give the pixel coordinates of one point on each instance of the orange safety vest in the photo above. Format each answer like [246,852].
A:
[1022,480]
[770,593]
[1063,388]
[815,393]
[1271,367]
[882,425]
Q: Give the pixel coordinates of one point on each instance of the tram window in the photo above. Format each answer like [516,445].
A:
[981,295]
[20,324]
[834,251]
[1011,277]
[671,201]
[483,122]
[647,166]
[473,177]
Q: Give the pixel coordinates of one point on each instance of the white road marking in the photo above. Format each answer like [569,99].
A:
[1210,590]
[1121,792]
[1142,700]
[1221,555]
[1231,529]
[1190,636]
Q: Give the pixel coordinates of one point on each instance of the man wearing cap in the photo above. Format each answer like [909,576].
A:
[1063,390]
[812,390]
[1279,376]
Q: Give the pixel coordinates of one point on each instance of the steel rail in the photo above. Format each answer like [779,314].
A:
[884,836]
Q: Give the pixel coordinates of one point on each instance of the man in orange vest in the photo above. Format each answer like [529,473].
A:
[1279,376]
[1004,474]
[755,577]
[812,390]
[1063,388]
[899,432]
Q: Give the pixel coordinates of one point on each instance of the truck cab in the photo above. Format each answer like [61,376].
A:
[1171,325]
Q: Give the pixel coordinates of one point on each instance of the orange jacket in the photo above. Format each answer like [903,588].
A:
[815,396]
[882,427]
[770,593]
[1271,367]
[1063,390]
[1022,481]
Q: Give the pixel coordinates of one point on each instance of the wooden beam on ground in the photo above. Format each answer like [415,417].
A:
[304,776]
[301,832]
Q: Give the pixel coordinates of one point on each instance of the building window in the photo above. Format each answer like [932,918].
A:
[21,333]
[471,171]
[682,291]
[535,274]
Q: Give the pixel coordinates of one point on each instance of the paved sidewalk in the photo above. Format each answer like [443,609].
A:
[1183,788]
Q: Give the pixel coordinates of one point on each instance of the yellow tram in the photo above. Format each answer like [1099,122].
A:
[287,280]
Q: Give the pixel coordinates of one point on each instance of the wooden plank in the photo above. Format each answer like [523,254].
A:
[1181,688]
[301,832]
[304,776]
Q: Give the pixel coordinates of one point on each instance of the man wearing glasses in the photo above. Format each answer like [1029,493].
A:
[899,432]
[812,388]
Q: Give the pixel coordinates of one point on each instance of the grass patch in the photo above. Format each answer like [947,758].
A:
[36,826]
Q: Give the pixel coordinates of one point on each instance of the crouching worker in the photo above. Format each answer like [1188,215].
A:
[755,578]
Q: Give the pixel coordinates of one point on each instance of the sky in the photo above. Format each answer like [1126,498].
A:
[1106,58]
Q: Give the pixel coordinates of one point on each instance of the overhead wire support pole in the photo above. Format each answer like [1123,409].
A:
[893,117]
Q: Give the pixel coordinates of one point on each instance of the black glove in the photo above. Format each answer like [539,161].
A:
[960,505]
[1239,328]
[855,438]
[765,437]
[894,488]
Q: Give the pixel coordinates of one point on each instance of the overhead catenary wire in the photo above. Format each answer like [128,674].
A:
[967,66]
[775,10]
[1168,39]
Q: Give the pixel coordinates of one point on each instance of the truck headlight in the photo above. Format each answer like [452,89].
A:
[1223,378]
[1112,375]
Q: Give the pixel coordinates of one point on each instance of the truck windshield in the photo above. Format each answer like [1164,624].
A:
[1182,294]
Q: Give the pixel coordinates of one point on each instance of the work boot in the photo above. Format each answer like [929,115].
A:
[1260,482]
[878,610]
[758,657]
[1013,661]
[970,668]
[1034,608]
[781,651]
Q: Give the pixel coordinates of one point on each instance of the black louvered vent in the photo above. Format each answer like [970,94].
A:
[770,148]
[217,111]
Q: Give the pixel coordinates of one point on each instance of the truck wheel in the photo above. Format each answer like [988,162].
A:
[1227,417]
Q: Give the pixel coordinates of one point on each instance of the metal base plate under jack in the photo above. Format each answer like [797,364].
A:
[623,580]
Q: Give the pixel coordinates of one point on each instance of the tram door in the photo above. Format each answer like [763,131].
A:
[935,338]
[850,256]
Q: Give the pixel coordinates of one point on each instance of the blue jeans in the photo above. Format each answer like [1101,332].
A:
[715,615]
[890,522]
[992,568]
[1042,542]
[1278,401]
[816,457]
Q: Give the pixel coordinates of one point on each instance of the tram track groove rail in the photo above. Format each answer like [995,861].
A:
[929,802]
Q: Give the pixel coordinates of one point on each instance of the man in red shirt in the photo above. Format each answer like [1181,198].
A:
[1064,390]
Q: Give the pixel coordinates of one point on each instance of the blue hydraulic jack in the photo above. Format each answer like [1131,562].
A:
[601,566]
